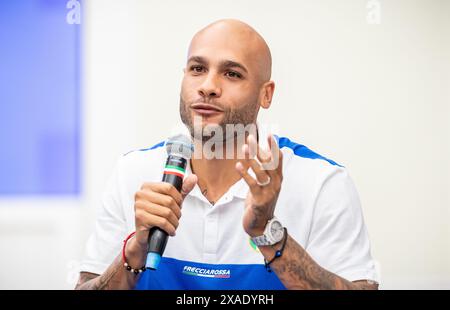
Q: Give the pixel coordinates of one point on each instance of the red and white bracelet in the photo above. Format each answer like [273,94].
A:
[124,258]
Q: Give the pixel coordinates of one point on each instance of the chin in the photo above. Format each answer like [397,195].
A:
[208,120]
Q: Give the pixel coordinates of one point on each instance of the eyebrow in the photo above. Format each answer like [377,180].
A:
[232,64]
[223,64]
[198,59]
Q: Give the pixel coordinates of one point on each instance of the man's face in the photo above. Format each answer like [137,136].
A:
[220,84]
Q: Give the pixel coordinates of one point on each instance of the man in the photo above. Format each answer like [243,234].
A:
[231,234]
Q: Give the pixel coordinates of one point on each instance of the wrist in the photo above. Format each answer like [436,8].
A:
[272,233]
[278,252]
[256,232]
[135,252]
[258,228]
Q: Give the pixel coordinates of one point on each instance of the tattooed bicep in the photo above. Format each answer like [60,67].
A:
[85,277]
[366,284]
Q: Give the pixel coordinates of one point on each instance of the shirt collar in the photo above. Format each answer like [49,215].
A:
[238,189]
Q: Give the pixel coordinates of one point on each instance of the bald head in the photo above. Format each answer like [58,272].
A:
[227,76]
[235,39]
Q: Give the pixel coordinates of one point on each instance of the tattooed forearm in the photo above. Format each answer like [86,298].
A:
[297,270]
[116,277]
[84,282]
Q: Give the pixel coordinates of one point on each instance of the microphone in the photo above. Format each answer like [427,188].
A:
[179,149]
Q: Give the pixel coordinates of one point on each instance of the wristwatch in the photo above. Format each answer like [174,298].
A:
[273,233]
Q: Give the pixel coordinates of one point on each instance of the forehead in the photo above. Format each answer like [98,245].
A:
[217,46]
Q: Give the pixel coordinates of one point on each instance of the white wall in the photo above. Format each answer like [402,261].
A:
[372,97]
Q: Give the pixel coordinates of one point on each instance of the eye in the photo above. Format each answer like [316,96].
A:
[233,74]
[197,69]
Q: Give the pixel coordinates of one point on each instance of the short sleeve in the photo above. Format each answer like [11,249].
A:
[338,239]
[105,242]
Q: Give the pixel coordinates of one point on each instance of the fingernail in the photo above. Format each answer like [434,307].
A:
[245,148]
[251,139]
[239,166]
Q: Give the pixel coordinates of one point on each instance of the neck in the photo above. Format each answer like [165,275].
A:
[216,174]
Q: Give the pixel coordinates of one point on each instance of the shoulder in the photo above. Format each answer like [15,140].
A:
[155,150]
[301,161]
[308,176]
[142,163]
[302,151]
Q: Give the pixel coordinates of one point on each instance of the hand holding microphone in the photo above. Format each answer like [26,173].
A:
[157,205]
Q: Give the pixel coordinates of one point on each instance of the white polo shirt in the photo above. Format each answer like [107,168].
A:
[318,204]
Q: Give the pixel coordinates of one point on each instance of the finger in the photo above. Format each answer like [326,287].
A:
[268,160]
[261,154]
[154,209]
[277,155]
[147,221]
[151,210]
[162,223]
[251,182]
[260,174]
[252,146]
[162,200]
[188,184]
[274,166]
[165,188]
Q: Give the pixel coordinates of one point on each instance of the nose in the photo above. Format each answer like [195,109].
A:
[210,87]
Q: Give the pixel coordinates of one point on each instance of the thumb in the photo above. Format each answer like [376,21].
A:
[188,185]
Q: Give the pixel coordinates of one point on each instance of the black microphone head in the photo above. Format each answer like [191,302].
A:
[180,145]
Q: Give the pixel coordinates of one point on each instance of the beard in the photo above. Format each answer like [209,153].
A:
[244,116]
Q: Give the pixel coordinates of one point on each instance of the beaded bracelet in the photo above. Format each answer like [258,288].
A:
[277,253]
[125,263]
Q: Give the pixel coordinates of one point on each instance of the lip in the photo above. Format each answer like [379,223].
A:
[205,109]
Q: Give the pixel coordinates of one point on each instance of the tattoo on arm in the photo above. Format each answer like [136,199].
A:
[297,270]
[115,277]
[84,282]
[365,285]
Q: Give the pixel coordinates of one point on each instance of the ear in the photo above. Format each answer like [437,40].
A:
[266,95]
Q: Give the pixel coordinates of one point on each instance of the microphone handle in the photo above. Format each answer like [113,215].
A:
[174,171]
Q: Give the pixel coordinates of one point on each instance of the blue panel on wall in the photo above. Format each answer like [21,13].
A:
[39,99]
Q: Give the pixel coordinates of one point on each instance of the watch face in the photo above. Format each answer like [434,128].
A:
[276,230]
